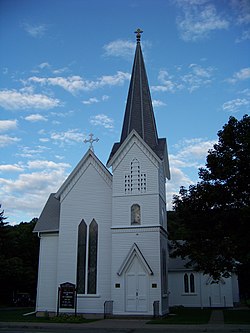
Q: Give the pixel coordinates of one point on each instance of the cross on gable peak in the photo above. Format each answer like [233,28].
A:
[91,140]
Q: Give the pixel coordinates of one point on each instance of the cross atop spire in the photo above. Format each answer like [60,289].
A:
[138,33]
[91,140]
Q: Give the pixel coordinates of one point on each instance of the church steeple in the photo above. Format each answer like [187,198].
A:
[139,113]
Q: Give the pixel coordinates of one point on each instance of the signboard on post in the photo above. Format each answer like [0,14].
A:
[67,296]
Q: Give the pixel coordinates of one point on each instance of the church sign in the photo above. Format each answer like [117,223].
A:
[67,295]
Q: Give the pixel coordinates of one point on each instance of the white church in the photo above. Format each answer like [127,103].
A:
[106,234]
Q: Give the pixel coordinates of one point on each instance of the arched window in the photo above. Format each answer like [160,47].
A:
[164,271]
[135,214]
[186,284]
[189,283]
[92,260]
[81,257]
[192,289]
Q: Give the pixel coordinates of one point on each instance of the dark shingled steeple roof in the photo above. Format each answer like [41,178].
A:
[139,114]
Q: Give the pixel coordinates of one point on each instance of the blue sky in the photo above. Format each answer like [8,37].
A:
[65,67]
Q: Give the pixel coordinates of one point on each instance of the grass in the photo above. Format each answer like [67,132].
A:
[185,316]
[236,316]
[16,315]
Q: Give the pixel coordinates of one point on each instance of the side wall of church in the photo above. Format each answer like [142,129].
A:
[47,274]
[89,198]
[206,293]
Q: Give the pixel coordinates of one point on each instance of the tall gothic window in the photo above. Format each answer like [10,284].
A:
[186,284]
[92,260]
[191,277]
[81,257]
[87,269]
[135,214]
[189,283]
[164,271]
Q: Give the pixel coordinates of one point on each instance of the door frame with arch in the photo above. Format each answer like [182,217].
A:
[136,273]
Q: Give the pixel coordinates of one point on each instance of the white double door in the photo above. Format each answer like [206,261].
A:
[136,287]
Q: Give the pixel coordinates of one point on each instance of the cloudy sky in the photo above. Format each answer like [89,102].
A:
[65,67]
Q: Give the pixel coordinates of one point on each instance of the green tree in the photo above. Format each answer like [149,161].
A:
[18,259]
[214,214]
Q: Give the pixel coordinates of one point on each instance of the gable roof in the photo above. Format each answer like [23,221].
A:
[77,169]
[49,218]
[135,251]
[139,114]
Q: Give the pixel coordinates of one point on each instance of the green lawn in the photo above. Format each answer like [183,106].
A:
[236,316]
[185,316]
[16,315]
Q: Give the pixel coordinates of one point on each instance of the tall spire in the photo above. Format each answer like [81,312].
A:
[139,114]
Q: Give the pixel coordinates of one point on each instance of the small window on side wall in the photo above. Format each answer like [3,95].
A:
[135,214]
[189,283]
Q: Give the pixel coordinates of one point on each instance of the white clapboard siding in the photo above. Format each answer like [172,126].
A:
[89,198]
[47,276]
[148,242]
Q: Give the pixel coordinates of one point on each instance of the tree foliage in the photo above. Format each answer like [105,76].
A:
[214,214]
[18,259]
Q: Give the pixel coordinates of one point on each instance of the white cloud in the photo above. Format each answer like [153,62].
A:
[14,100]
[33,152]
[6,140]
[102,120]
[68,137]
[44,65]
[91,100]
[44,139]
[35,117]
[120,48]
[178,179]
[7,125]
[28,193]
[197,77]
[241,75]
[191,78]
[35,31]
[11,168]
[235,105]
[198,19]
[188,154]
[74,84]
[157,103]
[245,35]
[242,10]
[45,165]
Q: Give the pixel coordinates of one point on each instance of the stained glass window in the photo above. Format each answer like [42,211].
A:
[81,257]
[135,214]
[186,284]
[92,260]
[164,269]
[192,290]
